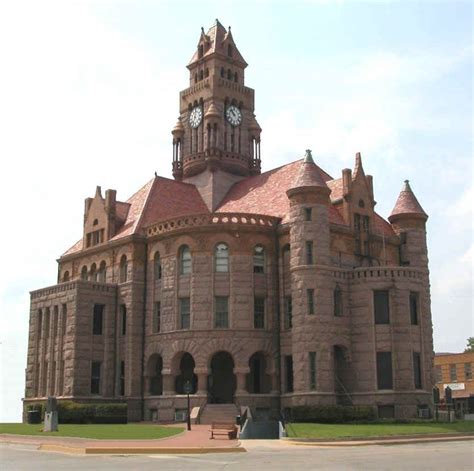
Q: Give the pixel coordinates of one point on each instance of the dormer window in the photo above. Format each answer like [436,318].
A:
[95,237]
[222,72]
[96,221]
[229,75]
[236,77]
[229,50]
[201,51]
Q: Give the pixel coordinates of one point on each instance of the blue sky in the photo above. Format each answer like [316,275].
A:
[89,94]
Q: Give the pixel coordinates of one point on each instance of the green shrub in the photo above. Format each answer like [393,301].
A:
[41,406]
[93,413]
[70,412]
[332,414]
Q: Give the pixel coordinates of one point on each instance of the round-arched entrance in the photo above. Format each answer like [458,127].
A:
[186,373]
[221,381]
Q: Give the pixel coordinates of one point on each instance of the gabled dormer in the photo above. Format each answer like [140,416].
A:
[100,219]
[358,205]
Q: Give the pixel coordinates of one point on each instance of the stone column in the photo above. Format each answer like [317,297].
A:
[241,374]
[168,383]
[202,380]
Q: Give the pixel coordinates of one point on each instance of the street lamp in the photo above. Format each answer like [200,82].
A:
[187,389]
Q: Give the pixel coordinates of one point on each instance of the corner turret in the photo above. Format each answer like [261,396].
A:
[408,220]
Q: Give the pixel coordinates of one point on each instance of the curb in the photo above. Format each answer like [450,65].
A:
[138,450]
[380,441]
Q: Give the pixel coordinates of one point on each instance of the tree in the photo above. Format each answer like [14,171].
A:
[470,345]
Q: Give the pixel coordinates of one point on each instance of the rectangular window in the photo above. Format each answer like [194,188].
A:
[95,377]
[98,319]
[122,378]
[310,299]
[384,370]
[221,312]
[40,323]
[308,214]
[55,321]
[453,377]
[288,312]
[414,308]
[417,370]
[184,313]
[64,319]
[338,302]
[123,319]
[259,313]
[157,317]
[381,307]
[468,371]
[289,373]
[46,322]
[438,374]
[309,252]
[312,371]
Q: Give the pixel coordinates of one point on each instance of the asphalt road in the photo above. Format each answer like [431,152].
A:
[260,456]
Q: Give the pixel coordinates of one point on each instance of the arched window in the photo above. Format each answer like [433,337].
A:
[258,259]
[157,266]
[236,77]
[229,74]
[65,276]
[206,73]
[201,51]
[201,75]
[93,272]
[222,72]
[96,221]
[184,260]
[229,50]
[123,269]
[102,276]
[195,78]
[84,273]
[221,258]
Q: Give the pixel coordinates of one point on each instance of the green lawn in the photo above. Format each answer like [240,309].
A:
[119,431]
[374,430]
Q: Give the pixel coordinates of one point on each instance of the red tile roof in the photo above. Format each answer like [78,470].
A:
[266,194]
[407,204]
[169,199]
[161,199]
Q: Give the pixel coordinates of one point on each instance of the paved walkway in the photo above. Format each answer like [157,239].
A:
[197,440]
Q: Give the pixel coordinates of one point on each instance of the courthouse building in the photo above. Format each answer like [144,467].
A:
[266,290]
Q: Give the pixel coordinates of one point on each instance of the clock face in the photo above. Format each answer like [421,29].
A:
[195,117]
[233,115]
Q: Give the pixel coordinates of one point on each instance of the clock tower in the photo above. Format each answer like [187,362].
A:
[217,135]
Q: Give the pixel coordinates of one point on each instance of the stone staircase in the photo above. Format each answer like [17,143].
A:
[219,413]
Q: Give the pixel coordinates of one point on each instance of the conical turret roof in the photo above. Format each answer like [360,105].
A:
[407,204]
[308,177]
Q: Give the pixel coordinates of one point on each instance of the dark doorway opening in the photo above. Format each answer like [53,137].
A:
[221,381]
[186,367]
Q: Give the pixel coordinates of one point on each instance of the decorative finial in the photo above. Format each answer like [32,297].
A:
[229,29]
[156,174]
[202,29]
[308,158]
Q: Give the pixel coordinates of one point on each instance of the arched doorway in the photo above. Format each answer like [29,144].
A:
[221,381]
[155,366]
[258,381]
[186,367]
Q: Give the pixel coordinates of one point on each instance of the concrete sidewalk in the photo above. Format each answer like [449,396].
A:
[387,440]
[197,440]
